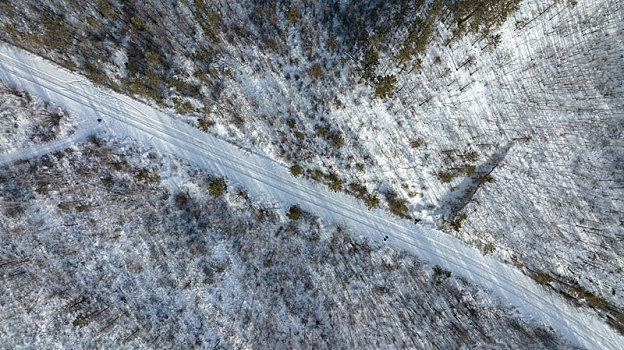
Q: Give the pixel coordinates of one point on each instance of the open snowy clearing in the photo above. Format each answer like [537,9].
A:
[268,182]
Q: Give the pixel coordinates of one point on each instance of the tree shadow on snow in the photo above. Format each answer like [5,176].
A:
[459,196]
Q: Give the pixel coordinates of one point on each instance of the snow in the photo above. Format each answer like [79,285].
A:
[27,121]
[166,265]
[268,182]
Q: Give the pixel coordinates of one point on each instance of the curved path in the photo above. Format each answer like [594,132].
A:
[268,181]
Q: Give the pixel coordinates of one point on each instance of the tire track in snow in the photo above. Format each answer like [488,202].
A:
[271,181]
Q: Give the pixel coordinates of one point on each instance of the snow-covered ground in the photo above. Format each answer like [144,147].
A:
[268,182]
[556,202]
[540,113]
[26,121]
[116,246]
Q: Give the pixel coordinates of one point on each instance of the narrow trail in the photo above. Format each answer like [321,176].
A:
[268,181]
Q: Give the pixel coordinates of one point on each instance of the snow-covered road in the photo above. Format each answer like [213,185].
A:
[269,182]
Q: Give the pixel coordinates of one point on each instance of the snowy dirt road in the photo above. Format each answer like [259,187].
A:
[268,182]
